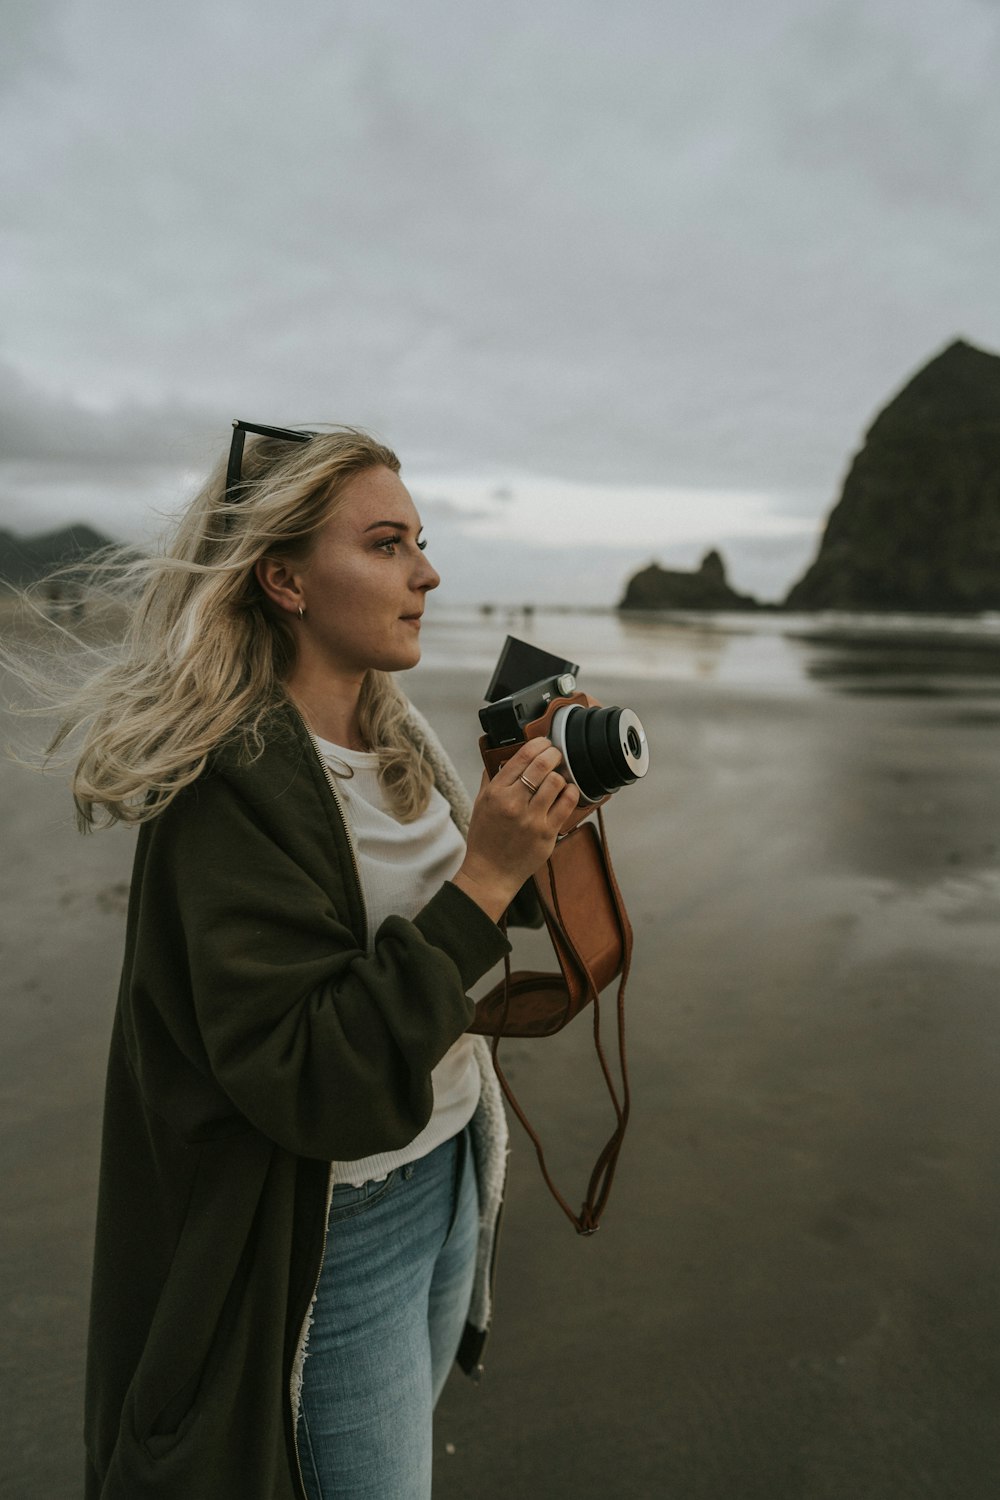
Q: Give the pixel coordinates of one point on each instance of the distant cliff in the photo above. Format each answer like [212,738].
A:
[23,559]
[917,526]
[707,588]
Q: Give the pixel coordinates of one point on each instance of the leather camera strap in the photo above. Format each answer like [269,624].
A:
[599,1187]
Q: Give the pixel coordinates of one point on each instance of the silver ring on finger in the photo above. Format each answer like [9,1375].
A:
[532,788]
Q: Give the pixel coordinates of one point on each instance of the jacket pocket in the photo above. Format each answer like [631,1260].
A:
[203,1290]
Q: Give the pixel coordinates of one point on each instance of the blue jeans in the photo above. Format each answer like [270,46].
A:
[390,1310]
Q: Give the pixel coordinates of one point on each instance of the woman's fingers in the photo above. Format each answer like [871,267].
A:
[515,823]
[535,769]
[530,770]
[523,762]
[557,795]
[566,803]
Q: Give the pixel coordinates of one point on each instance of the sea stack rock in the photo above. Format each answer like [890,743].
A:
[661,588]
[917,526]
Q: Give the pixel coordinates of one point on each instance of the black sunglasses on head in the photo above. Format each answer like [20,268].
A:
[234,473]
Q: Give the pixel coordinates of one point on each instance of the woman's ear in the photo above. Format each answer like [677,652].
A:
[279,583]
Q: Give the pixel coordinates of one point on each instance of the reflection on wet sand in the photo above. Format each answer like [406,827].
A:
[769,652]
[904,665]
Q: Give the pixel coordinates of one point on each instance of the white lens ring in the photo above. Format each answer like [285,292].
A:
[557,734]
[630,728]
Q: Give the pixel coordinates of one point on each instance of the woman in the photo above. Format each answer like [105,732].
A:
[291,1243]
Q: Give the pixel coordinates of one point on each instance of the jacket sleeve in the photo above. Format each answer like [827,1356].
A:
[525,910]
[324,1048]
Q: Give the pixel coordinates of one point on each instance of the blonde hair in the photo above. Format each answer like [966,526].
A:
[204,655]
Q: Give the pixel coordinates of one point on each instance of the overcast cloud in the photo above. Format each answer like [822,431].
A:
[689,249]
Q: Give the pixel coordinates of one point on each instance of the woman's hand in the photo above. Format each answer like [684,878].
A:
[513,829]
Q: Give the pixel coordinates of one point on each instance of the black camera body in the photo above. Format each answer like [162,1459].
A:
[603,749]
[505,721]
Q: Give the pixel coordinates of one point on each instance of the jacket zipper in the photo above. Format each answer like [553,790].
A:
[298,1362]
[332,782]
[491,1282]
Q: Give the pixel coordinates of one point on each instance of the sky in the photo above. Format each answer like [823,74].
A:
[618,283]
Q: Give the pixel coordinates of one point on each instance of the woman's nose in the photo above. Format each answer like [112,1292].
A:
[430,577]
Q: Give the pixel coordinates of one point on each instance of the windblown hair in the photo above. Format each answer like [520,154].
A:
[204,654]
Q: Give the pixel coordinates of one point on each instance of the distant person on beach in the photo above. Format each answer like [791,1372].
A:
[304,1150]
[63,597]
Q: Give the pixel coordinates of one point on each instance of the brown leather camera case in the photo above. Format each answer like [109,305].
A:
[592,940]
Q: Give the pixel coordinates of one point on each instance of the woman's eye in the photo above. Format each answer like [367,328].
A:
[388,544]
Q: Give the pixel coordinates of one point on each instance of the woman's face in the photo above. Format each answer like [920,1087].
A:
[364,584]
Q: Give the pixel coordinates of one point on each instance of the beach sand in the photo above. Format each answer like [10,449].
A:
[794,1291]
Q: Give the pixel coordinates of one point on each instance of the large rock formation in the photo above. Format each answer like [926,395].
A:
[23,559]
[661,588]
[917,526]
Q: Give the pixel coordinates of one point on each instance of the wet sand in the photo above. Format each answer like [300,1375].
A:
[794,1292]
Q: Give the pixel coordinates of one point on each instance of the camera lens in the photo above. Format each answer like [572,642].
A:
[603,749]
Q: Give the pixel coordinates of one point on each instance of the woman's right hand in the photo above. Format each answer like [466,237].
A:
[513,829]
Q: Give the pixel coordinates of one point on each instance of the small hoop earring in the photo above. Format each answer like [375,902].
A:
[302,613]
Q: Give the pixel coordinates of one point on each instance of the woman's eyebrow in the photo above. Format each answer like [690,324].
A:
[396,525]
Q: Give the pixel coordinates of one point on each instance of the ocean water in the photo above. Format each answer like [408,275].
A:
[782,654]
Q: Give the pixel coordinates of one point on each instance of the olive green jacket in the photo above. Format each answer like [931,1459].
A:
[255,1040]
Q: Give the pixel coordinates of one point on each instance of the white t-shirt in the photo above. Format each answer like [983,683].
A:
[401,866]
